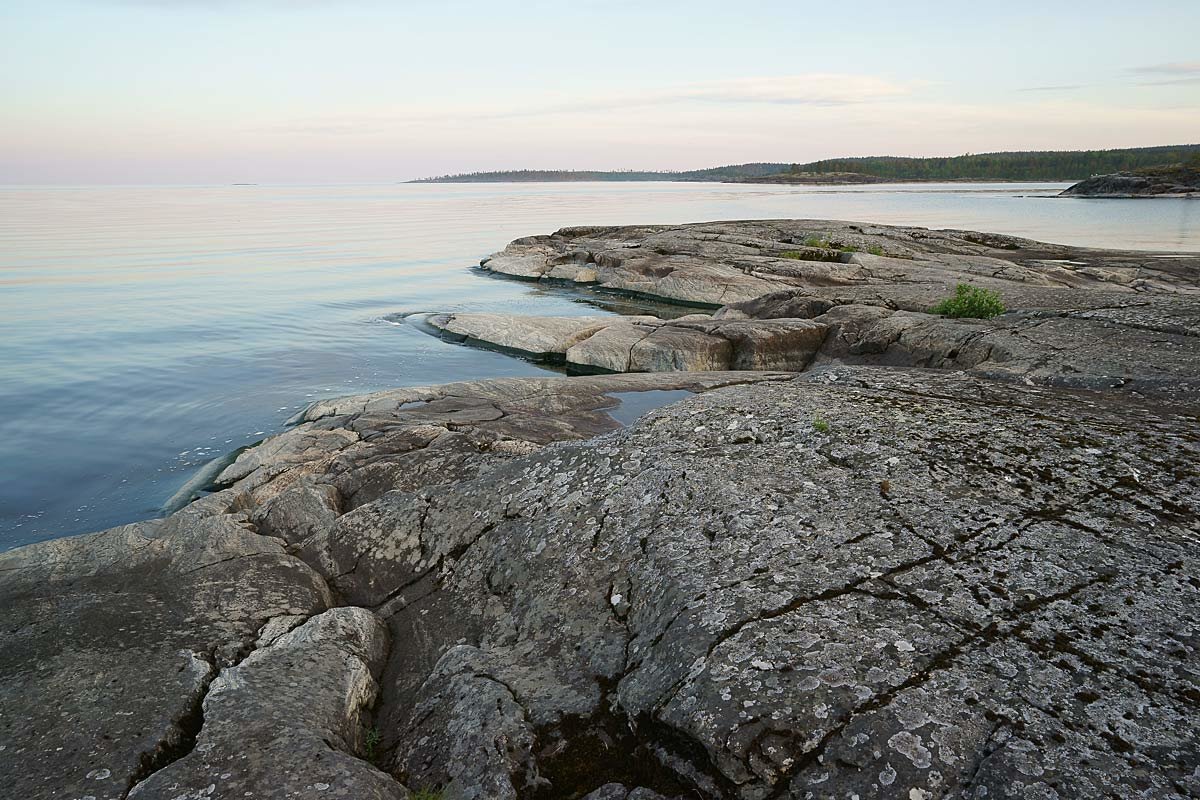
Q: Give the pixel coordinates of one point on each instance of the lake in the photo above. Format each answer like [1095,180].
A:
[146,331]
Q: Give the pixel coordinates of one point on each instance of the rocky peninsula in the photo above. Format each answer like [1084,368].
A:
[1176,180]
[867,551]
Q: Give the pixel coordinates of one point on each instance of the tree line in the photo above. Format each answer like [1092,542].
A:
[1016,166]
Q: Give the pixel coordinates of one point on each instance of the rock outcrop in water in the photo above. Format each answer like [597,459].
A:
[863,579]
[1178,180]
[1077,317]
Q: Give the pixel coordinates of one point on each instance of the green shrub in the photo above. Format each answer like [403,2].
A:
[875,250]
[813,241]
[819,424]
[371,742]
[428,794]
[970,302]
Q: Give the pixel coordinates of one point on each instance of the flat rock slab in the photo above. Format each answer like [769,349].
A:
[543,338]
[866,581]
[718,263]
[694,342]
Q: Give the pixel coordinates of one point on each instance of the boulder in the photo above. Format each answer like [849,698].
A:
[773,344]
[790,304]
[677,348]
[610,349]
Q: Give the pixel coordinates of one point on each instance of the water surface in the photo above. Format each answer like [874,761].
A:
[147,330]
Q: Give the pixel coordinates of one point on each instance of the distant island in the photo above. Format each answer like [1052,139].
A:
[1171,180]
[1048,165]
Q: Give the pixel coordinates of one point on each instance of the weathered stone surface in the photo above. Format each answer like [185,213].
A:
[644,346]
[773,344]
[611,349]
[1077,317]
[288,721]
[724,263]
[954,584]
[789,303]
[111,640]
[695,342]
[539,337]
[122,663]
[1150,348]
[677,348]
[1178,180]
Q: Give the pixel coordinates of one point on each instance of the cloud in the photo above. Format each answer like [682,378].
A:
[820,90]
[815,89]
[1066,87]
[1172,68]
[1174,72]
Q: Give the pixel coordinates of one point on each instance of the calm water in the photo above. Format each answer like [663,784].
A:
[145,331]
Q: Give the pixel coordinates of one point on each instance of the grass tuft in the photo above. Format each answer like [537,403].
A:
[370,743]
[970,302]
[428,794]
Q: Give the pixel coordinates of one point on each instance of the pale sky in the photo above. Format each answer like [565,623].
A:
[220,91]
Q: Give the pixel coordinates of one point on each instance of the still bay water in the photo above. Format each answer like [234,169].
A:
[145,331]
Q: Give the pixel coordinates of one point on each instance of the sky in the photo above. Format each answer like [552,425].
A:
[306,91]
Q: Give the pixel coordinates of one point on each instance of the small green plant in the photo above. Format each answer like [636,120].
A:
[848,248]
[370,743]
[970,302]
[809,255]
[875,250]
[814,241]
[819,424]
[428,794]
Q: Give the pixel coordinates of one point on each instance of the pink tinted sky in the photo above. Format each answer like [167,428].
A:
[197,91]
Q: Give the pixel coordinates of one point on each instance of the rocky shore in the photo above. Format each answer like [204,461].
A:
[872,551]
